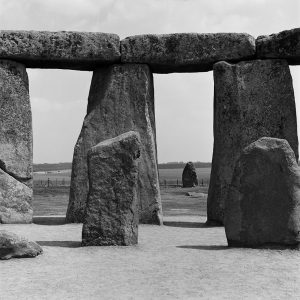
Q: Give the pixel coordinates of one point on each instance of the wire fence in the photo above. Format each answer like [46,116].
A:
[178,183]
[64,182]
[52,182]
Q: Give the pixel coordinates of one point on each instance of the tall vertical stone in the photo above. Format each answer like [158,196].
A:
[252,99]
[15,144]
[112,212]
[121,99]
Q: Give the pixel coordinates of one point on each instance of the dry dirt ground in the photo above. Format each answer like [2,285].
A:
[181,260]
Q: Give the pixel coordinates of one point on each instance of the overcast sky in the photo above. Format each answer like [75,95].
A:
[184,102]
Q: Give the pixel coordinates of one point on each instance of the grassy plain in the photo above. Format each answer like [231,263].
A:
[53,199]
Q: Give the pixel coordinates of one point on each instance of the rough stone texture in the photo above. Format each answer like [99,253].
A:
[12,245]
[15,200]
[121,99]
[189,175]
[112,210]
[285,44]
[252,100]
[186,52]
[61,50]
[263,203]
[15,122]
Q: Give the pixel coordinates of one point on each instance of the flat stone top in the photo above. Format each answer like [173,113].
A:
[186,52]
[123,138]
[61,50]
[285,44]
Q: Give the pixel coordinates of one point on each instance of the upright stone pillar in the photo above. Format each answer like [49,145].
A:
[15,144]
[252,99]
[121,99]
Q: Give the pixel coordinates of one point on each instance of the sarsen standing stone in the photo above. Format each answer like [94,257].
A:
[263,203]
[252,99]
[121,99]
[15,144]
[112,208]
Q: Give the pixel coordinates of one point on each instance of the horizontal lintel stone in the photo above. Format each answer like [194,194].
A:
[60,50]
[186,52]
[284,45]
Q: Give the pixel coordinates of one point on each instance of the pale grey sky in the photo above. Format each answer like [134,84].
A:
[184,102]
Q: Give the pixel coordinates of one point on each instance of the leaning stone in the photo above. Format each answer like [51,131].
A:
[15,200]
[263,204]
[12,245]
[111,216]
[252,99]
[189,175]
[15,122]
[121,99]
[60,50]
[186,52]
[285,44]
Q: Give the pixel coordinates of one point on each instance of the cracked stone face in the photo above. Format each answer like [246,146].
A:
[111,216]
[15,144]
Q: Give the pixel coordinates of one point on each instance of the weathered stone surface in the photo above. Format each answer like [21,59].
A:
[12,245]
[15,122]
[252,99]
[189,175]
[15,200]
[112,209]
[285,44]
[60,50]
[121,99]
[186,52]
[263,203]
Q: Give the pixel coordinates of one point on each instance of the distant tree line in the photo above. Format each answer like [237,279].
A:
[181,165]
[51,167]
[68,165]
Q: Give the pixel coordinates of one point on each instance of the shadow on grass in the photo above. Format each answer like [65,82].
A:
[65,244]
[206,247]
[49,220]
[187,224]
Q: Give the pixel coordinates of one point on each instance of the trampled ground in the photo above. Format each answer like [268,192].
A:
[183,259]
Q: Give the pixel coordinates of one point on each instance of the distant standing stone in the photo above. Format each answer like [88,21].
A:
[189,175]
[112,212]
[263,204]
[12,245]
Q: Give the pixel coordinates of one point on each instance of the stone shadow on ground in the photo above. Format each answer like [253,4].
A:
[204,247]
[186,224]
[49,220]
[66,244]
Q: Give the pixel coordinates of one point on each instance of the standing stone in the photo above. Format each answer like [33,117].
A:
[285,44]
[15,200]
[252,99]
[112,208]
[189,175]
[15,144]
[121,99]
[12,245]
[263,203]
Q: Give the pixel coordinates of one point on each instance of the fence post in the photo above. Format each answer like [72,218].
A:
[202,182]
[165,183]
[48,181]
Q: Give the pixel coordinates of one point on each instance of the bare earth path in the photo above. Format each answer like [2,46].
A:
[181,260]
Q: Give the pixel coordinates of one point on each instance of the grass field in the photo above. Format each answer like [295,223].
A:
[51,193]
[169,175]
